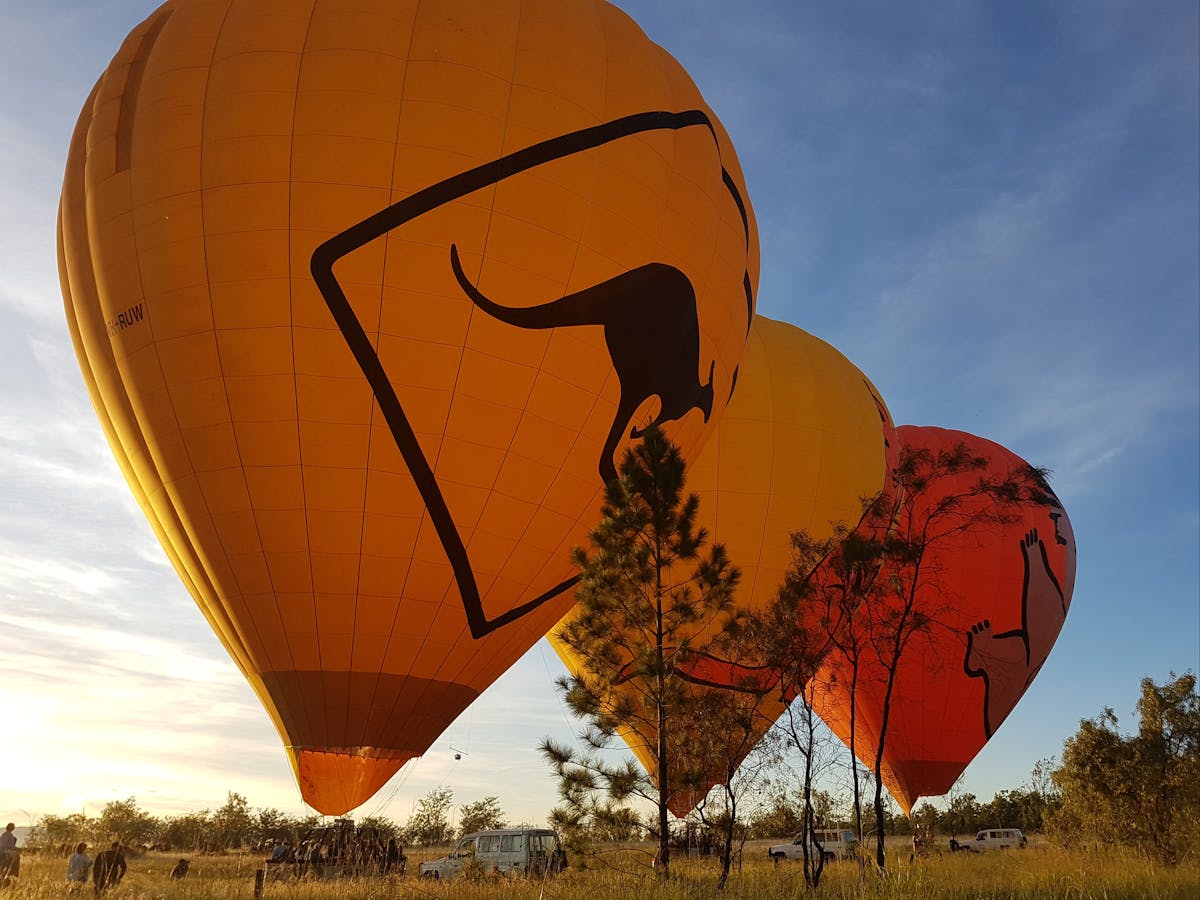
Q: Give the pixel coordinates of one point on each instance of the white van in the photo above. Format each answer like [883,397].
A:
[836,843]
[508,851]
[999,839]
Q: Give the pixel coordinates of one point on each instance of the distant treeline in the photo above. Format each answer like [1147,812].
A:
[1139,790]
[237,825]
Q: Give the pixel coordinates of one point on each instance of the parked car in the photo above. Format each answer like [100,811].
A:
[999,839]
[835,843]
[508,851]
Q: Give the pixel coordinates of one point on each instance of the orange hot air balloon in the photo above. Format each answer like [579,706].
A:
[369,295]
[804,439]
[997,588]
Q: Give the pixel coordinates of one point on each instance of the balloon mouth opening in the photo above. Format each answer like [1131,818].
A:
[334,781]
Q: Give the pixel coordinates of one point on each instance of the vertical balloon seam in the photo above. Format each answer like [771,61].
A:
[67,252]
[427,515]
[424,689]
[228,633]
[771,336]
[670,71]
[276,706]
[308,713]
[114,441]
[130,97]
[373,414]
[271,703]
[601,27]
[671,74]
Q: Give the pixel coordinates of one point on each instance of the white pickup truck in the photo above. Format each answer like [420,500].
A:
[836,843]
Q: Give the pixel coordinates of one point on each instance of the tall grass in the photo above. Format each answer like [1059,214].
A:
[1104,874]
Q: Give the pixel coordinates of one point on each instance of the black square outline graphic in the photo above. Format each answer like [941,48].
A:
[395,215]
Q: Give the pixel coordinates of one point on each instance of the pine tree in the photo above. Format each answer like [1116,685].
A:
[649,596]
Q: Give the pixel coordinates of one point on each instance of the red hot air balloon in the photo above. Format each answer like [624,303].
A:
[994,582]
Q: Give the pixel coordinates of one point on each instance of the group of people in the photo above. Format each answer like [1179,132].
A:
[339,848]
[107,869]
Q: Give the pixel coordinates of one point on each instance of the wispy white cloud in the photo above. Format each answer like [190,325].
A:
[997,310]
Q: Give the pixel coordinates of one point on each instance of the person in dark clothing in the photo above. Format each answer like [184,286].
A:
[10,857]
[394,859]
[181,869]
[109,868]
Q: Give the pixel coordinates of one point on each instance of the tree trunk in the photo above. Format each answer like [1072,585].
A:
[853,754]
[664,833]
[880,858]
[731,822]
[812,867]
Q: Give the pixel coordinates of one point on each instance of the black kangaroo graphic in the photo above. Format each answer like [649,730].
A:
[651,331]
[1008,662]
[649,317]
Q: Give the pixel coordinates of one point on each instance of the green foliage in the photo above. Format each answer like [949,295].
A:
[480,815]
[380,825]
[1017,808]
[272,826]
[962,816]
[430,821]
[124,821]
[925,816]
[1140,790]
[778,818]
[604,822]
[233,825]
[187,832]
[58,833]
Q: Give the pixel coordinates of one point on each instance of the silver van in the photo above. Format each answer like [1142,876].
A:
[999,839]
[836,843]
[507,851]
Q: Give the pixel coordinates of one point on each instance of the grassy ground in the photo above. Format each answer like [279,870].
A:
[1033,873]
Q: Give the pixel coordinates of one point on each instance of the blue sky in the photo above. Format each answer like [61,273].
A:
[992,209]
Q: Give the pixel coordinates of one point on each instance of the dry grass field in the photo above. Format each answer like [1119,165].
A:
[1037,872]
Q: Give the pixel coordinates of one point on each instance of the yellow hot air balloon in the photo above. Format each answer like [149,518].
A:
[804,439]
[369,295]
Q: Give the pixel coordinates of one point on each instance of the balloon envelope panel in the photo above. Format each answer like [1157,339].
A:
[998,593]
[369,295]
[803,440]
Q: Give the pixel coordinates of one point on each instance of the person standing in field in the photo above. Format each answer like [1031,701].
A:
[10,857]
[78,867]
[109,868]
